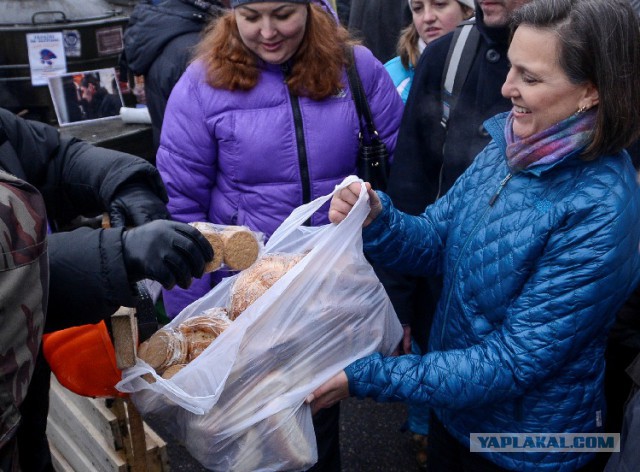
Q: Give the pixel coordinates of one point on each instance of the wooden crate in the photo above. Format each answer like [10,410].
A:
[86,434]
[89,434]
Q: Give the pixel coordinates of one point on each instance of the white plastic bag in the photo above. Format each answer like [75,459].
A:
[240,405]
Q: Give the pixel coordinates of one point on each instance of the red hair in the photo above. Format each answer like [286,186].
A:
[317,64]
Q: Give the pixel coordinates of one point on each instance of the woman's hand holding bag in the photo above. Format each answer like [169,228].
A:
[344,200]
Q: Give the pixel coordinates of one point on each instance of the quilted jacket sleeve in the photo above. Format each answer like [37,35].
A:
[567,305]
[412,244]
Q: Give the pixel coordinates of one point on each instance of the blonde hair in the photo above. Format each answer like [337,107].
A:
[408,48]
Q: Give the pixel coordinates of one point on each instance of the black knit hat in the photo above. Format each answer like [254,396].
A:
[237,3]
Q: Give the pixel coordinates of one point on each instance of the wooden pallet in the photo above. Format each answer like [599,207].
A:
[104,435]
[92,434]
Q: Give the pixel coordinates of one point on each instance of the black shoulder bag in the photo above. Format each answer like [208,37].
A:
[373,156]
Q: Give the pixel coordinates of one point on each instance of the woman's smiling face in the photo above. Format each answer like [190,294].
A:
[538,87]
[272,30]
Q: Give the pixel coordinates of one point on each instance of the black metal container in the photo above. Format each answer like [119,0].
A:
[92,32]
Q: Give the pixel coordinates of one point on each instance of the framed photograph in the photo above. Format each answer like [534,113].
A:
[79,97]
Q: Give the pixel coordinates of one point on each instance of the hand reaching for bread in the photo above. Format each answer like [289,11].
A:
[166,251]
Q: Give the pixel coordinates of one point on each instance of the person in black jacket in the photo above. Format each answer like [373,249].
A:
[378,23]
[430,159]
[92,271]
[342,10]
[158,44]
[622,348]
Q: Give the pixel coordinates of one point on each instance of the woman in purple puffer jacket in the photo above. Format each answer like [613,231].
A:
[262,122]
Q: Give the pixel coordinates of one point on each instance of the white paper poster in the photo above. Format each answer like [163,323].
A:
[46,56]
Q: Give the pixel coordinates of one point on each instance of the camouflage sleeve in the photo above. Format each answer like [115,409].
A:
[23,298]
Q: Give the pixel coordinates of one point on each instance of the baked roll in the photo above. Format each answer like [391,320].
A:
[252,283]
[200,331]
[164,348]
[235,246]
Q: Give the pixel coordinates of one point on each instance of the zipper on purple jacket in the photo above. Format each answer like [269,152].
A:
[300,142]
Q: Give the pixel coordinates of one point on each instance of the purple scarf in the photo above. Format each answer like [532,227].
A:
[551,144]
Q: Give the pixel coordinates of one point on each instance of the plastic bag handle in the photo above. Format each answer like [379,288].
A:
[304,212]
[133,381]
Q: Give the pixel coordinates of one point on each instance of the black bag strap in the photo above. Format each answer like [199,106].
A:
[466,38]
[360,98]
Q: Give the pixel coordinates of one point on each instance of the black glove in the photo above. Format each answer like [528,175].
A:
[166,251]
[135,204]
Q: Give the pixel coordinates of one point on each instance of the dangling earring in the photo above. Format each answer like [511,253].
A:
[582,109]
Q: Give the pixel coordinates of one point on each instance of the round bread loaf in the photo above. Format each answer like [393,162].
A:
[163,349]
[240,247]
[217,244]
[258,278]
[200,331]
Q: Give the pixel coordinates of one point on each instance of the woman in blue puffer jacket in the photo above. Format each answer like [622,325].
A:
[538,246]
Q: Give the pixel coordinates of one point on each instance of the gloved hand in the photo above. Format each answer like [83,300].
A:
[135,204]
[166,251]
